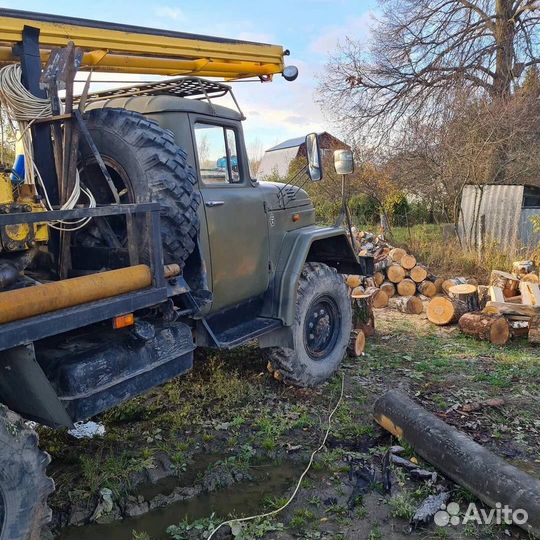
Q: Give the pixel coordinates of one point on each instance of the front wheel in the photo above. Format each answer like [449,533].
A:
[321,329]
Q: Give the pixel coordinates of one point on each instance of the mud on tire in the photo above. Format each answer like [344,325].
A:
[321,329]
[24,486]
[146,166]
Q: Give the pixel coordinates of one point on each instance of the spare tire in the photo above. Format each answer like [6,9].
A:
[146,165]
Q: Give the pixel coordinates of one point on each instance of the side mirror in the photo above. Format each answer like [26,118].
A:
[343,162]
[314,157]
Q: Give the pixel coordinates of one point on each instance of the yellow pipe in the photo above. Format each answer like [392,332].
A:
[130,50]
[31,301]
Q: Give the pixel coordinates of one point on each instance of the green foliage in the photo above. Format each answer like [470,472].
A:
[397,208]
[364,209]
[202,527]
[257,528]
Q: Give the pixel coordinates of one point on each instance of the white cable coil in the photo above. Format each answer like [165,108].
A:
[24,108]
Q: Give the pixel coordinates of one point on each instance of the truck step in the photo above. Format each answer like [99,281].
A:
[246,331]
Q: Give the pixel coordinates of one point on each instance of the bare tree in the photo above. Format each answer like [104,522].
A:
[255,154]
[422,51]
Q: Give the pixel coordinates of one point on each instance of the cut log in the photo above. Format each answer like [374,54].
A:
[379,299]
[519,328]
[531,278]
[357,291]
[408,304]
[534,329]
[494,481]
[505,281]
[389,288]
[530,293]
[521,268]
[419,273]
[493,328]
[408,262]
[407,287]
[442,310]
[395,273]
[357,343]
[363,317]
[378,278]
[396,254]
[438,282]
[353,281]
[483,295]
[466,293]
[368,282]
[447,283]
[383,264]
[427,288]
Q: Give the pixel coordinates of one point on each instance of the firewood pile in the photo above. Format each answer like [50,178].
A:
[509,306]
[399,281]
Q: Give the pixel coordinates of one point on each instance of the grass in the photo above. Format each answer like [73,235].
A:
[447,258]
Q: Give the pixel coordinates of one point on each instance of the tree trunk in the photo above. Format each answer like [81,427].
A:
[419,273]
[378,278]
[493,328]
[467,294]
[379,298]
[408,262]
[427,288]
[490,478]
[395,273]
[363,318]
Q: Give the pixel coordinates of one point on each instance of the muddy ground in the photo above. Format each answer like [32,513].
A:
[228,440]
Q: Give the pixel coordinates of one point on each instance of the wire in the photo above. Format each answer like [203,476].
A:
[25,108]
[299,483]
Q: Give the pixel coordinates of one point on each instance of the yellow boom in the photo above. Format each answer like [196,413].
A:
[132,49]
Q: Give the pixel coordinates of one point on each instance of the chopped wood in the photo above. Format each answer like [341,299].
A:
[463,289]
[378,278]
[496,294]
[419,273]
[515,300]
[408,261]
[521,268]
[353,281]
[442,310]
[447,283]
[357,292]
[476,406]
[408,304]
[493,328]
[530,293]
[483,295]
[519,328]
[427,288]
[362,316]
[357,343]
[531,278]
[395,273]
[506,308]
[507,282]
[438,282]
[379,299]
[396,254]
[407,287]
[389,288]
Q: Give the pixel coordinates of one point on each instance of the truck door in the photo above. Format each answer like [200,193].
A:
[236,220]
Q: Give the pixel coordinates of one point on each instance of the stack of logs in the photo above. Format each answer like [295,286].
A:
[508,306]
[399,281]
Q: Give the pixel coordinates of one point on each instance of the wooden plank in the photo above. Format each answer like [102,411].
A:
[530,293]
[514,309]
[496,294]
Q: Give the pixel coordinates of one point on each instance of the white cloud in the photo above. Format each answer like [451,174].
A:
[356,28]
[170,12]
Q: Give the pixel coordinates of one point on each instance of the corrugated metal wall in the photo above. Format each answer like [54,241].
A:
[501,207]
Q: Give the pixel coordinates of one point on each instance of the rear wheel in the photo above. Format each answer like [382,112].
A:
[321,329]
[24,486]
[145,165]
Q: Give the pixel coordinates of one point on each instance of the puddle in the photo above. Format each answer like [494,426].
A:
[242,499]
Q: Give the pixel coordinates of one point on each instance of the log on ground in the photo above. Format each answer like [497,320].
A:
[378,278]
[408,304]
[472,466]
[396,254]
[427,288]
[493,328]
[507,282]
[408,262]
[442,310]
[379,299]
[418,273]
[357,343]
[389,288]
[363,317]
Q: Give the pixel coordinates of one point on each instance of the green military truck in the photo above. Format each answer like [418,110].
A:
[182,248]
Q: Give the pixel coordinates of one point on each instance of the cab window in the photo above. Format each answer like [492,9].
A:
[217,153]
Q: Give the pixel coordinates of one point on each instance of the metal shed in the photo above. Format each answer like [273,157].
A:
[499,213]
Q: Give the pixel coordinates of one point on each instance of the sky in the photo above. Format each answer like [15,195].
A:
[310,29]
